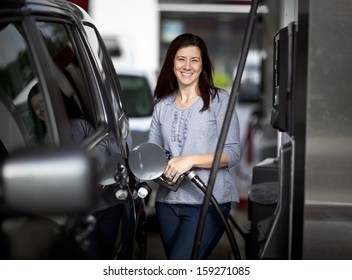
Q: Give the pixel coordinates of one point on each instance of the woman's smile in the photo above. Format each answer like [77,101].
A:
[188,65]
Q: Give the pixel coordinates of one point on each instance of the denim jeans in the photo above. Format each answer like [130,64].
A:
[178,226]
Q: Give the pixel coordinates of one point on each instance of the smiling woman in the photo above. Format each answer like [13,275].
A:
[187,120]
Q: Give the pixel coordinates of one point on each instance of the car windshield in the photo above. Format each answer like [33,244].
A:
[138,96]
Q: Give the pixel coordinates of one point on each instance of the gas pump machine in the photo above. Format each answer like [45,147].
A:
[270,192]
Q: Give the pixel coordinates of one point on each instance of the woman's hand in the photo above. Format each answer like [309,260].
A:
[177,166]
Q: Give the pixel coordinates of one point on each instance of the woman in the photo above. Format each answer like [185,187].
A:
[80,128]
[187,120]
[38,114]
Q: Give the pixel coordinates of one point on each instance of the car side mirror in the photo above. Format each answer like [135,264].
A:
[48,182]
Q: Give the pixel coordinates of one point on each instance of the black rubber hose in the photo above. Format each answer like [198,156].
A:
[225,127]
[232,240]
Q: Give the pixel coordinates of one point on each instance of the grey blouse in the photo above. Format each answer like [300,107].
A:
[189,131]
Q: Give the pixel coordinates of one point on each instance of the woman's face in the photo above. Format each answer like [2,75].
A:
[38,106]
[188,65]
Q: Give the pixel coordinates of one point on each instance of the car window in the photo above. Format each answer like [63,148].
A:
[17,77]
[69,74]
[109,79]
[74,89]
[138,96]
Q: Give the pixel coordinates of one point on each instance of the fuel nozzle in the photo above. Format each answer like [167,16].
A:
[194,178]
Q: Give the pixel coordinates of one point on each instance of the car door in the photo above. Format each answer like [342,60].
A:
[28,124]
[118,121]
[89,94]
[53,58]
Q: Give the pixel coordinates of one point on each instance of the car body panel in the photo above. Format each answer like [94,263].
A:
[55,45]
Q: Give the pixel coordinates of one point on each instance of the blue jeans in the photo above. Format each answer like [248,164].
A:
[178,226]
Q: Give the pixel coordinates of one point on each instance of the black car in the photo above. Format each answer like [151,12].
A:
[64,140]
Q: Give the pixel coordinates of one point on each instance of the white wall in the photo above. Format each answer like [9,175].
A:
[136,22]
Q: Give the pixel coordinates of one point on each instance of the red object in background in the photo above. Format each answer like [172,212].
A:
[82,3]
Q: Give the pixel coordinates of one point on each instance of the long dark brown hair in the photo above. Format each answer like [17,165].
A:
[167,82]
[39,125]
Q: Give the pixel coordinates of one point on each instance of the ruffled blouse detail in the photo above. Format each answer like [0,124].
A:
[179,129]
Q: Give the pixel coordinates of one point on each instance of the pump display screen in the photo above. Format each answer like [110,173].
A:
[282,101]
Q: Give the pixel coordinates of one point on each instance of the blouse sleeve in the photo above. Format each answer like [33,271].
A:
[155,136]
[232,143]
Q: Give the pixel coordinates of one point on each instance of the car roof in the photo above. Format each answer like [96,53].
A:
[55,8]
[132,70]
[128,69]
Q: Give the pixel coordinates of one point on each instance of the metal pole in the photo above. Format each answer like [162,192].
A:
[225,127]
